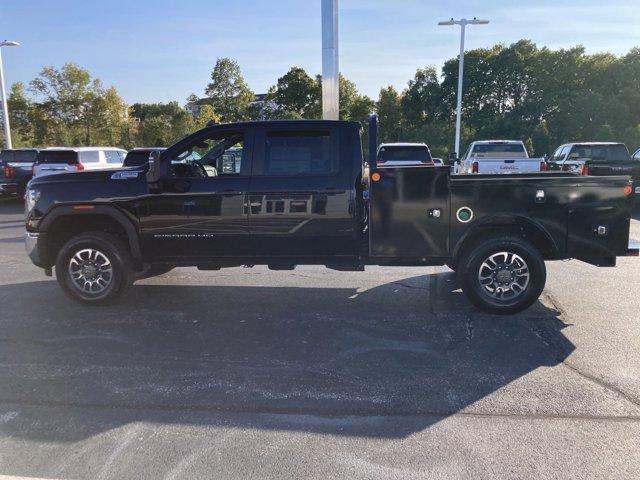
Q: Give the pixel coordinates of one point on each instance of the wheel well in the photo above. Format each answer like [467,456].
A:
[519,227]
[67,226]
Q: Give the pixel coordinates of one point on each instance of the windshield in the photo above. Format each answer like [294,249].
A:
[600,153]
[404,154]
[58,156]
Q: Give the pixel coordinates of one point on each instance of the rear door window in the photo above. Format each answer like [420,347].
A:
[294,153]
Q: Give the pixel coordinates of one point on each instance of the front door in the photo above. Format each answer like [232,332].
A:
[301,203]
[201,213]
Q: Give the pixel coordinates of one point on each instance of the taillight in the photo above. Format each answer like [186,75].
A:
[474,167]
[544,166]
[8,171]
[628,190]
[79,167]
[584,170]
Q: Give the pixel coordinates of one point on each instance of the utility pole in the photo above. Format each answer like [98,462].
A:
[330,61]
[463,24]
[5,106]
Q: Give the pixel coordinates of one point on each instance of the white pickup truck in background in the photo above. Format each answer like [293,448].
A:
[499,156]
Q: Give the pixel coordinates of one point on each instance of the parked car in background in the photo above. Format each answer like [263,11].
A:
[597,158]
[139,157]
[499,156]
[404,154]
[16,170]
[55,160]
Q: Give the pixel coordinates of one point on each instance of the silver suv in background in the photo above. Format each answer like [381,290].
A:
[499,156]
[54,160]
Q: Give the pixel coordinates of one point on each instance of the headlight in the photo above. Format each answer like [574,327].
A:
[30,198]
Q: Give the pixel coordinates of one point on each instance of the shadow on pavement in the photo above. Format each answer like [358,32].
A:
[171,353]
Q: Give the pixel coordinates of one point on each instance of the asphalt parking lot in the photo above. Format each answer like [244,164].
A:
[248,373]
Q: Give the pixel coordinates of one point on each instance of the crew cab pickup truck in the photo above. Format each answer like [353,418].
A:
[303,195]
[597,158]
[16,170]
[499,156]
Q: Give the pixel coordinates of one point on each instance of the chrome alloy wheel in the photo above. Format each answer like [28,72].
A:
[504,276]
[91,271]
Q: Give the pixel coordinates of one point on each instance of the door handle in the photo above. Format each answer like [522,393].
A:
[187,206]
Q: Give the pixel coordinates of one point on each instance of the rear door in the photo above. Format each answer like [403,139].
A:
[302,194]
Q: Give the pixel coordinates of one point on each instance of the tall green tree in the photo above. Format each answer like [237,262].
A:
[389,109]
[296,95]
[229,93]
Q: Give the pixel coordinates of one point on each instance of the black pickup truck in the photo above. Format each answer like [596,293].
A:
[16,170]
[597,159]
[300,192]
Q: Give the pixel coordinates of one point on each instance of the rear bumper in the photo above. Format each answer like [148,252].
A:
[32,245]
[8,188]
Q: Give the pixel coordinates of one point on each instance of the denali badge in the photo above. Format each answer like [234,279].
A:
[123,175]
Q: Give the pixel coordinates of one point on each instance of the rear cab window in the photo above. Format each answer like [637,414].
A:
[25,156]
[499,150]
[300,152]
[409,153]
[600,153]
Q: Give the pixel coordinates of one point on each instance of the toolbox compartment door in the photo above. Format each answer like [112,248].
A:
[409,212]
[596,234]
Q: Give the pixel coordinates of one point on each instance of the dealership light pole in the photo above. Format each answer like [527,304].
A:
[463,23]
[330,61]
[5,106]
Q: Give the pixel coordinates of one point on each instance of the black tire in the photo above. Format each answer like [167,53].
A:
[110,247]
[514,298]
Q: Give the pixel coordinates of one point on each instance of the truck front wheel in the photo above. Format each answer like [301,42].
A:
[94,268]
[502,275]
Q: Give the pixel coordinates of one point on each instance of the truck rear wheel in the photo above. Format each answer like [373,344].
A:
[94,268]
[502,275]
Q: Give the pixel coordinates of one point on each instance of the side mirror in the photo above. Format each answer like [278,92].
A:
[158,170]
[453,157]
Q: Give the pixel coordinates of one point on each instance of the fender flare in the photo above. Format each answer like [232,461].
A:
[92,209]
[504,220]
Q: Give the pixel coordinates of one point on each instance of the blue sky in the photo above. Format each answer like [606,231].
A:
[161,50]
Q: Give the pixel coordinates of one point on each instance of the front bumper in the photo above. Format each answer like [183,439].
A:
[8,188]
[31,246]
